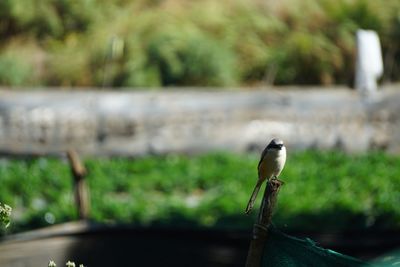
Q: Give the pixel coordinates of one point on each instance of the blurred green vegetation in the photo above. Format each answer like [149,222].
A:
[175,42]
[329,191]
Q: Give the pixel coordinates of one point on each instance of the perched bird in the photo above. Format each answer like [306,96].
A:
[271,163]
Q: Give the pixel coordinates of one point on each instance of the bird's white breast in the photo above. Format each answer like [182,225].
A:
[280,160]
[273,163]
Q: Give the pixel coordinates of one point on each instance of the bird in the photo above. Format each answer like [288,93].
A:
[270,166]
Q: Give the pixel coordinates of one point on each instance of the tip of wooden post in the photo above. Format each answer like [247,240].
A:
[77,166]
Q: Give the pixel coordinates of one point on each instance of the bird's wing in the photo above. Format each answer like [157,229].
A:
[262,157]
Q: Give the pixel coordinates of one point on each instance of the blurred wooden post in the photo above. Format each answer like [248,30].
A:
[80,189]
[260,229]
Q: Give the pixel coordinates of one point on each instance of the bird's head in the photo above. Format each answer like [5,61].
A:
[275,144]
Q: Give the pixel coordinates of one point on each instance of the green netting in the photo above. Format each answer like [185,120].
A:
[286,251]
[391,258]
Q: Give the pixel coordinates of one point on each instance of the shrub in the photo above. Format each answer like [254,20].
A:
[45,18]
[13,70]
[208,43]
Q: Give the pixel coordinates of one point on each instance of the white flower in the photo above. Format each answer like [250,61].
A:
[52,264]
[7,209]
[5,213]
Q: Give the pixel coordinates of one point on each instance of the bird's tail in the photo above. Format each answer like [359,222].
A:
[253,197]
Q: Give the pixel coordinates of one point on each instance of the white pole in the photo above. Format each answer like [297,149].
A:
[369,65]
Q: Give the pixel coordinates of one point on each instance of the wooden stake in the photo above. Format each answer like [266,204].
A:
[260,229]
[81,192]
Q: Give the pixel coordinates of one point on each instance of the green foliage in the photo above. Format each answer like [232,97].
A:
[333,190]
[45,18]
[176,55]
[37,188]
[187,59]
[14,70]
[208,43]
[344,190]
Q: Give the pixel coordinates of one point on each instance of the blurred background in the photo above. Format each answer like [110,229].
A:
[169,104]
[197,43]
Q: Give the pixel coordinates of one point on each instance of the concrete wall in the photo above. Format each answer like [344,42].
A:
[188,120]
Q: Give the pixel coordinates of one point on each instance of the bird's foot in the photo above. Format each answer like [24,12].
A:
[276,179]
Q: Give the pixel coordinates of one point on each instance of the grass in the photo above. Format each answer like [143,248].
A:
[323,191]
